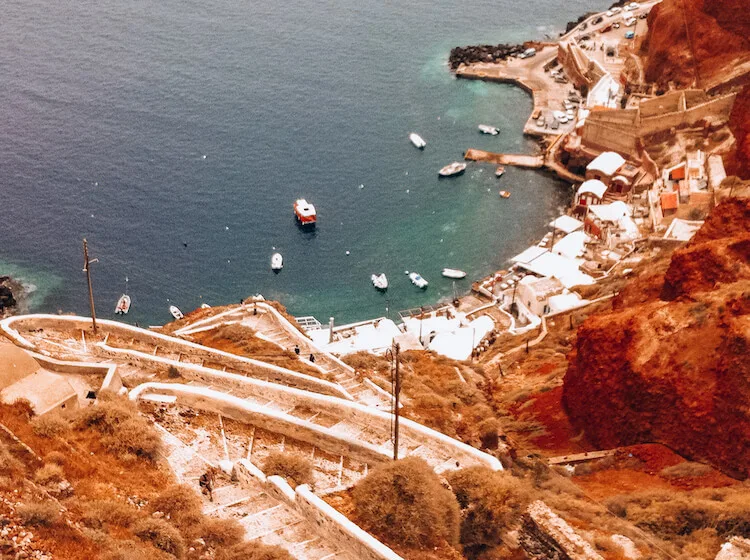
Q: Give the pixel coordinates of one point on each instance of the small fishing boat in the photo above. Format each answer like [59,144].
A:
[487,129]
[277,262]
[205,306]
[505,194]
[123,305]
[450,170]
[417,140]
[379,281]
[175,311]
[305,212]
[454,273]
[417,280]
[500,171]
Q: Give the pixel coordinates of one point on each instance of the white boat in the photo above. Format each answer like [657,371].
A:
[175,311]
[123,305]
[417,280]
[453,273]
[455,168]
[379,281]
[305,212]
[500,171]
[277,261]
[417,140]
[205,306]
[487,129]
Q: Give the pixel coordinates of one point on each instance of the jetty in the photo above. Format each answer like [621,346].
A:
[518,160]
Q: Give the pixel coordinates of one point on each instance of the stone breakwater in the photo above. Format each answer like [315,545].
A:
[483,53]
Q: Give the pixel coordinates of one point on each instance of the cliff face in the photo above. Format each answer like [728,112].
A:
[672,366]
[690,39]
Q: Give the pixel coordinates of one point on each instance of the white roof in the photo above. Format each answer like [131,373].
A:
[458,344]
[371,337]
[593,186]
[683,230]
[563,302]
[604,93]
[613,212]
[607,163]
[544,263]
[572,245]
[621,178]
[566,224]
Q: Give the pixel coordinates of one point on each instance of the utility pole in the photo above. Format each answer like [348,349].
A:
[87,270]
[396,388]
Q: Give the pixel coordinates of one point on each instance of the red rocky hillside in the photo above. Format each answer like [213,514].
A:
[671,363]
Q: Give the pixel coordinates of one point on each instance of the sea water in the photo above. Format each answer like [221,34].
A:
[176,135]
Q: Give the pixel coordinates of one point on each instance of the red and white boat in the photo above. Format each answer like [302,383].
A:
[123,305]
[305,212]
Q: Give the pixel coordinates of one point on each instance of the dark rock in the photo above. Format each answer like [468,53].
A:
[482,53]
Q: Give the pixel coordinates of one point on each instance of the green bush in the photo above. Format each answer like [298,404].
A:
[491,502]
[296,469]
[404,503]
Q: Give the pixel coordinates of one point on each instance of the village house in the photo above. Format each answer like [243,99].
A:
[605,167]
[590,192]
[21,377]
[535,292]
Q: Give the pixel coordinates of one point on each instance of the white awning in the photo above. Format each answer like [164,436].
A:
[566,224]
[572,245]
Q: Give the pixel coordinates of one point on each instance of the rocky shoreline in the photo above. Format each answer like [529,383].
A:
[12,295]
[483,53]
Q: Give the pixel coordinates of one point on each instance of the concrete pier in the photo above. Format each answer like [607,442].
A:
[531,162]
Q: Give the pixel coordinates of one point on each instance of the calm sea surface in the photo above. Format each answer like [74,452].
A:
[175,136]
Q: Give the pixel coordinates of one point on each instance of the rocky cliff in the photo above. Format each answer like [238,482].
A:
[669,363]
[695,41]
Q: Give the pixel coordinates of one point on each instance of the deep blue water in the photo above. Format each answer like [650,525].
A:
[147,125]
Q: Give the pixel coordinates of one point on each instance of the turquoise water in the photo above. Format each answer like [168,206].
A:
[148,126]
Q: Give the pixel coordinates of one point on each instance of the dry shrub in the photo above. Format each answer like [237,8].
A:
[179,502]
[434,411]
[9,465]
[124,431]
[56,457]
[49,473]
[99,513]
[253,551]
[686,469]
[49,425]
[296,469]
[161,535]
[670,515]
[491,502]
[39,514]
[488,433]
[403,502]
[220,532]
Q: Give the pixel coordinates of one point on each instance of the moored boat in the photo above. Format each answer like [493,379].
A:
[417,280]
[450,170]
[487,129]
[417,140]
[277,262]
[123,305]
[305,212]
[380,281]
[505,194]
[175,311]
[454,273]
[500,171]
[205,306]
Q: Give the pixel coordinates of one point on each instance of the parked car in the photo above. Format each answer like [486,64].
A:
[606,29]
[616,10]
[630,34]
[644,15]
[540,122]
[555,125]
[609,13]
[528,53]
[598,20]
[615,26]
[561,80]
[630,22]
[570,114]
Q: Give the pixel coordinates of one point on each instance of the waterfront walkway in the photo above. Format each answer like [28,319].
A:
[532,162]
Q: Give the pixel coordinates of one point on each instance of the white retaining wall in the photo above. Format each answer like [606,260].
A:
[337,527]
